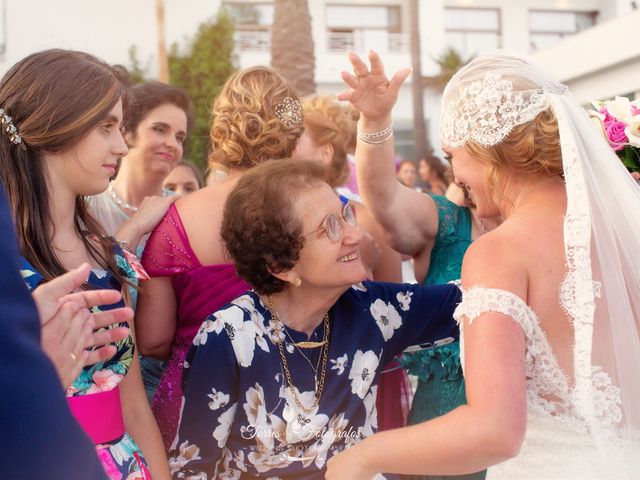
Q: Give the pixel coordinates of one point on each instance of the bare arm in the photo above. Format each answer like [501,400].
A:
[491,427]
[156,317]
[150,212]
[408,217]
[140,423]
[388,268]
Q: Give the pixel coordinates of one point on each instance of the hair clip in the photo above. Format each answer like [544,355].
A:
[289,112]
[11,129]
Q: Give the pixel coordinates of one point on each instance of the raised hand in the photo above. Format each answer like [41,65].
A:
[149,213]
[371,92]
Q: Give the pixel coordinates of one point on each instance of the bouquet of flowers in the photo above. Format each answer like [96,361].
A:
[619,122]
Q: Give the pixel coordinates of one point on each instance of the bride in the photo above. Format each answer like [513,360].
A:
[550,313]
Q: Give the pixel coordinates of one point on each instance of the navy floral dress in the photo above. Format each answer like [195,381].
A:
[121,458]
[240,418]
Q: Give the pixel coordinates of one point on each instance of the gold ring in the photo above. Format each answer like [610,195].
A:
[358,76]
[73,356]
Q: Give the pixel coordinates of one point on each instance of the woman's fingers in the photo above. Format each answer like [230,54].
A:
[106,337]
[92,298]
[377,67]
[359,67]
[398,79]
[106,318]
[349,79]
[101,354]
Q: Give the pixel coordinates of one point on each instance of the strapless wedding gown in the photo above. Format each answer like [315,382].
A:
[558,443]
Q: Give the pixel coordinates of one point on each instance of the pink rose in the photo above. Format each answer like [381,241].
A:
[104,381]
[635,110]
[617,135]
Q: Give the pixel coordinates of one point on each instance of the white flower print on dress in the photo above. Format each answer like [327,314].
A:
[404,299]
[263,426]
[205,329]
[301,426]
[243,334]
[186,453]
[386,317]
[218,399]
[221,433]
[335,429]
[339,363]
[363,371]
[246,303]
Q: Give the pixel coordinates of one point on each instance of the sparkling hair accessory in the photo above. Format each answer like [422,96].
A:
[290,112]
[483,106]
[7,123]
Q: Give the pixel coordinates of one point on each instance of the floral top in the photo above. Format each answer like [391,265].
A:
[239,416]
[121,457]
[102,376]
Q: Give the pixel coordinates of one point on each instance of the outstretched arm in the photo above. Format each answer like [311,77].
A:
[486,431]
[409,218]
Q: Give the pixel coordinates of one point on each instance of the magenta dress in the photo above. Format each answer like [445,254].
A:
[200,290]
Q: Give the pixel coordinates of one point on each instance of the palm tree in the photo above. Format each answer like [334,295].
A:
[421,147]
[292,50]
[449,61]
[163,62]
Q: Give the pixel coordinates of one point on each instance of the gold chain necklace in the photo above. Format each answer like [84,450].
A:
[285,365]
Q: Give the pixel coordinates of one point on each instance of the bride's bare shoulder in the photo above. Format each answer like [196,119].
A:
[495,260]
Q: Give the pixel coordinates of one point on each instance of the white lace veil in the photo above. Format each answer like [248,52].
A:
[601,292]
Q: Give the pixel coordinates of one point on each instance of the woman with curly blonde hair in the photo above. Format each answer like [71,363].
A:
[256,117]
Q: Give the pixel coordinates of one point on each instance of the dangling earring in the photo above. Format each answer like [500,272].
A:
[297,282]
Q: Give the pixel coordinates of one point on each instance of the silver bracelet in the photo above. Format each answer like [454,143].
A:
[376,138]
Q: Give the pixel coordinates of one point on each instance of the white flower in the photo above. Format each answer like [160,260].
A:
[404,299]
[320,448]
[205,329]
[339,363]
[221,433]
[360,287]
[301,426]
[246,303]
[241,333]
[186,453]
[620,108]
[263,426]
[633,132]
[363,371]
[218,399]
[386,316]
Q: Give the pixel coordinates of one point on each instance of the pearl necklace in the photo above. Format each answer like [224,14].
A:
[119,201]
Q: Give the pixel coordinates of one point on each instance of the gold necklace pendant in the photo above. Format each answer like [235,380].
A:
[309,344]
[285,366]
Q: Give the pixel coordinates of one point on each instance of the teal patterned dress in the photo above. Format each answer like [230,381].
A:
[440,381]
[121,458]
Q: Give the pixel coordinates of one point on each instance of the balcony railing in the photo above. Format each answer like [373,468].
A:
[256,40]
[360,41]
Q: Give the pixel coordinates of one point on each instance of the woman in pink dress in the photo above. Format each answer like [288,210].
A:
[256,117]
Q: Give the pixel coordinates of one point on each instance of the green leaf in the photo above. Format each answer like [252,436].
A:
[630,157]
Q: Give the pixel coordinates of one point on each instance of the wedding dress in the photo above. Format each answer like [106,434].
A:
[586,425]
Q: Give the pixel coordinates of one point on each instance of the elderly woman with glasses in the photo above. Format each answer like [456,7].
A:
[285,376]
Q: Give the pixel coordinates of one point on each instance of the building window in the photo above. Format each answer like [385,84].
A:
[363,27]
[472,30]
[548,27]
[253,24]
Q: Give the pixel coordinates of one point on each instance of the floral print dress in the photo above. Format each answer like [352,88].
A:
[241,420]
[121,458]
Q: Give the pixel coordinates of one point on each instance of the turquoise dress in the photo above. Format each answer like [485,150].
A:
[440,381]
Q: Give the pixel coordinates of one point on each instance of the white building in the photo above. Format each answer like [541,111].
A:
[587,44]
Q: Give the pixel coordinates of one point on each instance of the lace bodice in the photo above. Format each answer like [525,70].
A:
[548,388]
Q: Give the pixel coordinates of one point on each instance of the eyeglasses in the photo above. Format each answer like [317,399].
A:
[332,223]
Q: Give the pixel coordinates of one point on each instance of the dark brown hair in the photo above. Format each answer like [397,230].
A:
[144,97]
[56,98]
[245,130]
[260,227]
